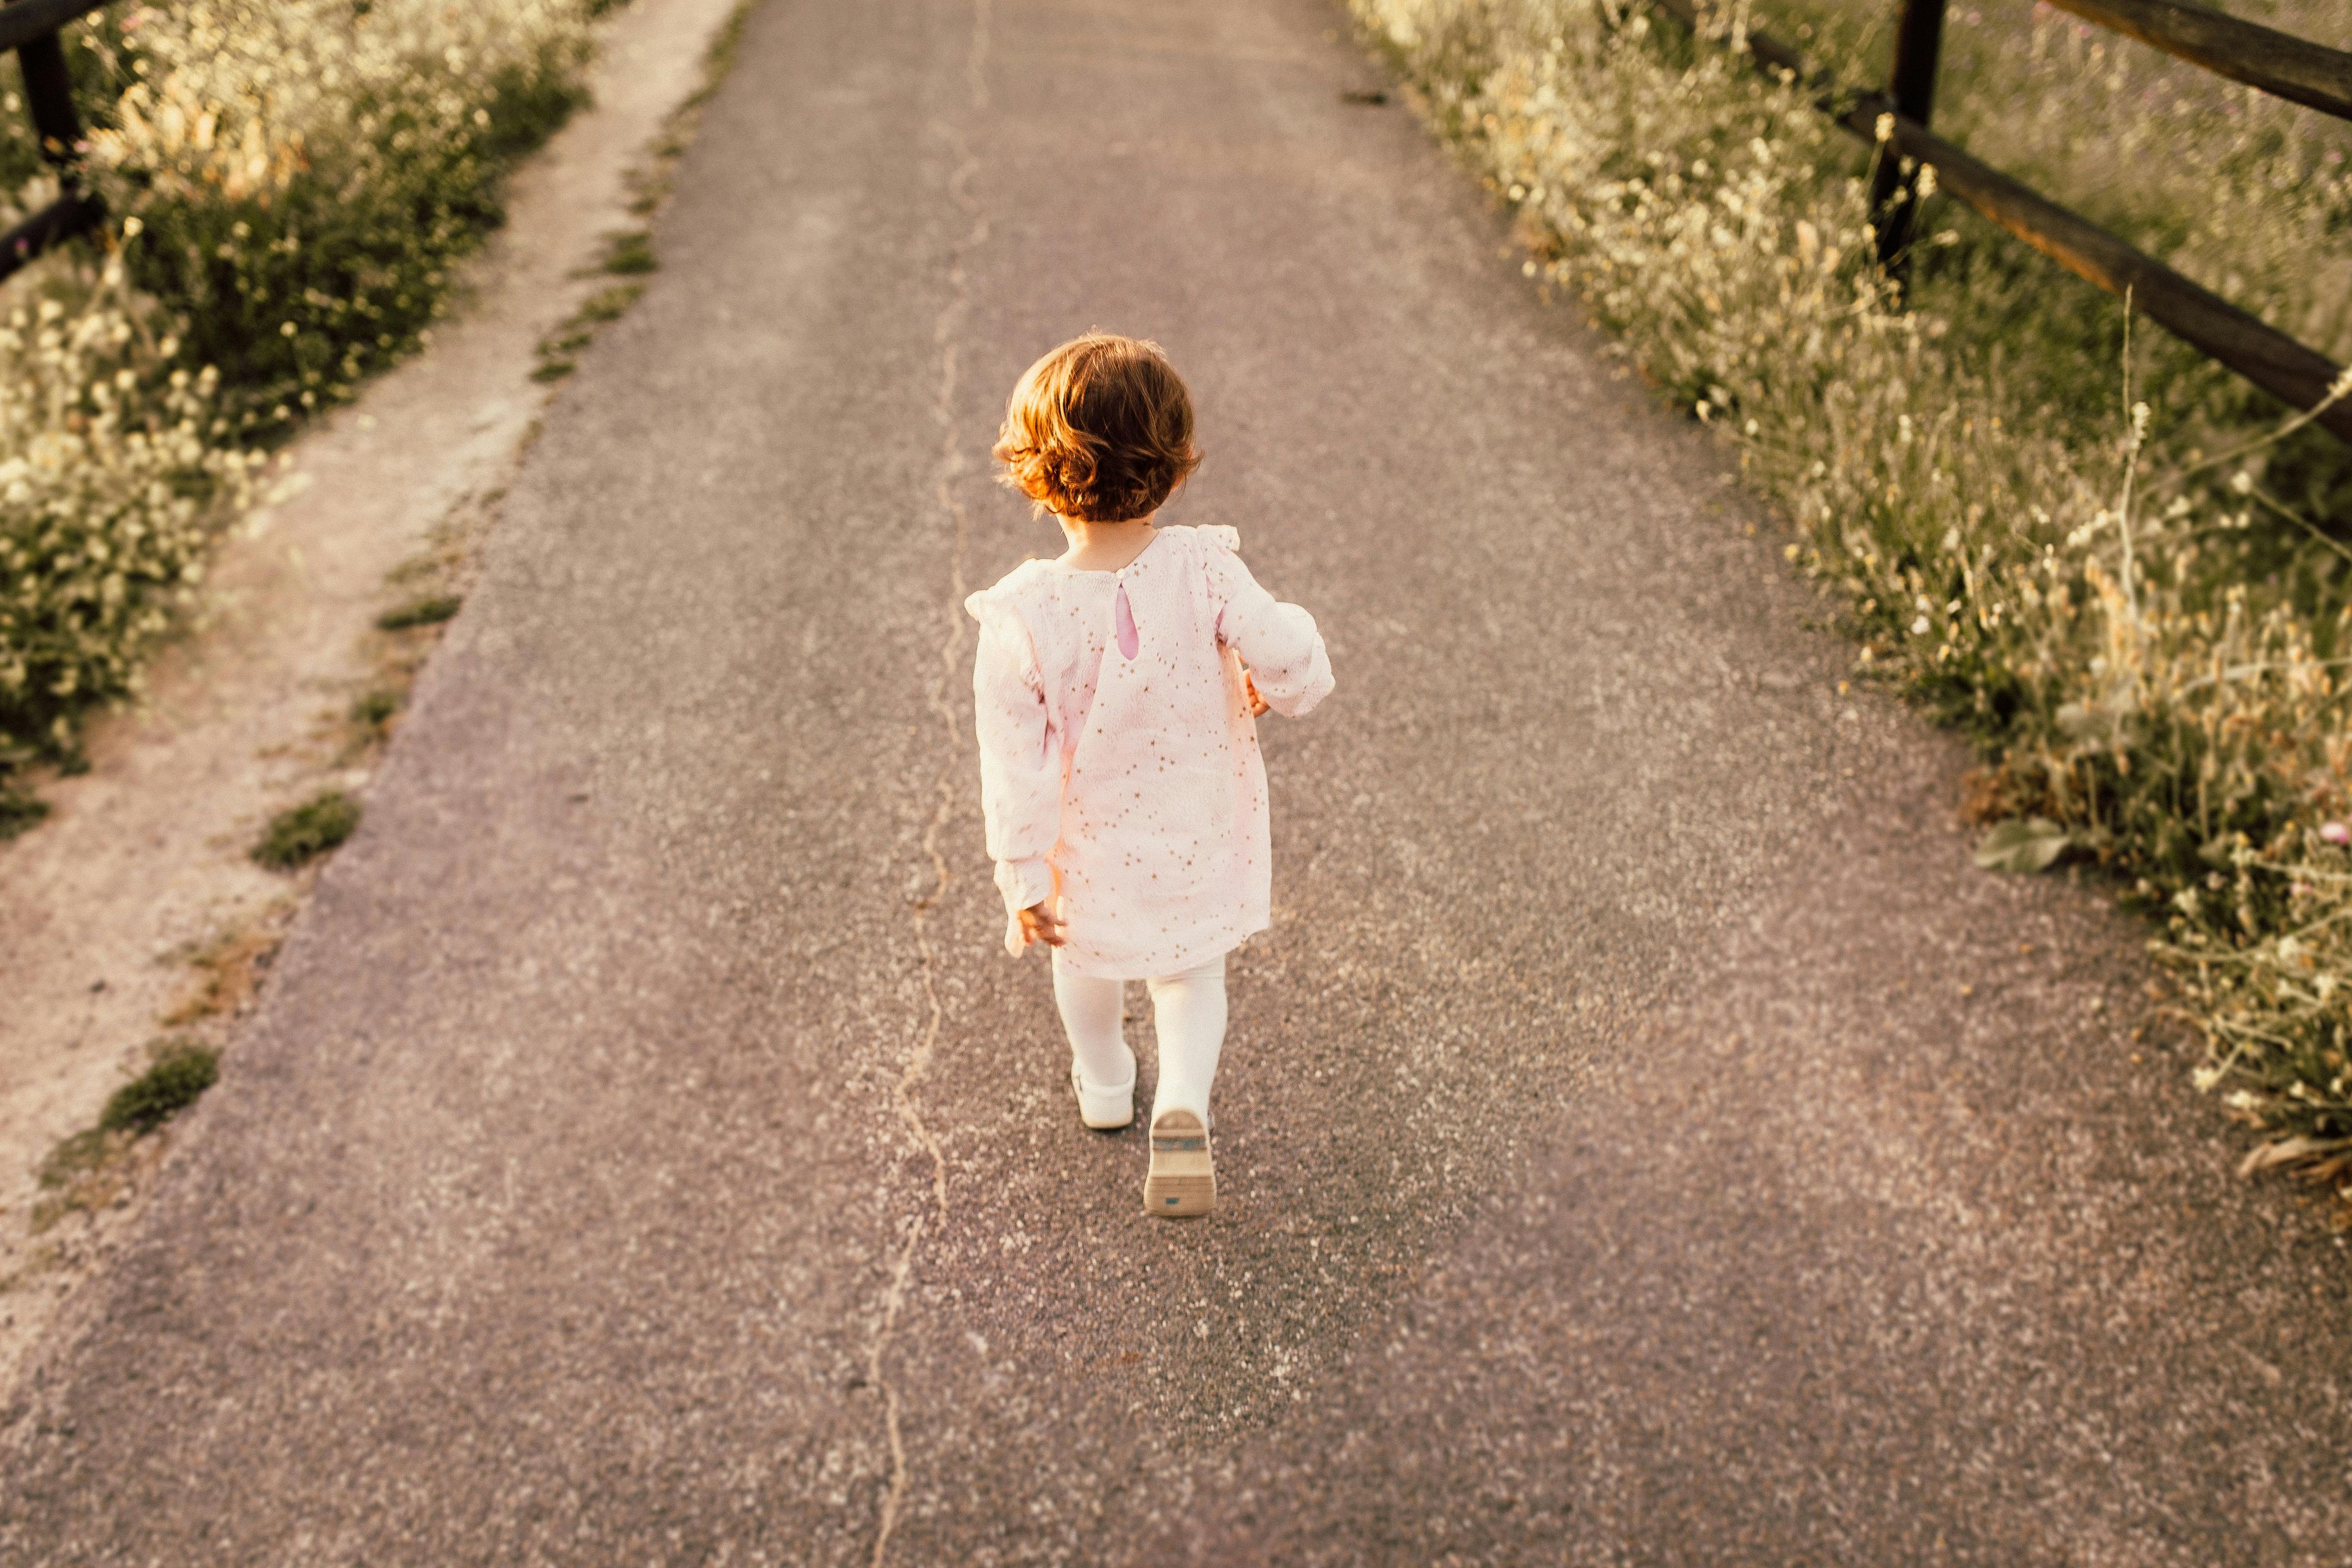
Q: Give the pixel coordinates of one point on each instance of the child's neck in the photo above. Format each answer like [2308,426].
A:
[1103,546]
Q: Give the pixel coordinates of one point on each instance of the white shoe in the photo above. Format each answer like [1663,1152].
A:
[1102,1109]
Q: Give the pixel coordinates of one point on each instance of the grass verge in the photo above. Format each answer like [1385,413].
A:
[294,182]
[92,1169]
[2073,541]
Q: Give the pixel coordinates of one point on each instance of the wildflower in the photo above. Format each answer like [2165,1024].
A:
[2336,833]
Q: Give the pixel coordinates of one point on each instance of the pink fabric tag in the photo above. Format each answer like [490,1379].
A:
[1123,621]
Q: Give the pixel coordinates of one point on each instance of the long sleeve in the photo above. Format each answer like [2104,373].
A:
[1019,776]
[1278,642]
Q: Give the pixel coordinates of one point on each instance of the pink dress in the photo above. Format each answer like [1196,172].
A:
[1118,761]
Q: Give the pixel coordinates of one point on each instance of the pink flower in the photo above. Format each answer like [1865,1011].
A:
[2336,833]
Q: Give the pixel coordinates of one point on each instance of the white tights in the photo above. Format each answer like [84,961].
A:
[1188,1010]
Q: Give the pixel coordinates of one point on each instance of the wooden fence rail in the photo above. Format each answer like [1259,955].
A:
[1897,121]
[2306,73]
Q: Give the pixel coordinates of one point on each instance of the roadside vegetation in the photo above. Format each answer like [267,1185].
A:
[135,428]
[301,834]
[92,1168]
[291,182]
[2124,573]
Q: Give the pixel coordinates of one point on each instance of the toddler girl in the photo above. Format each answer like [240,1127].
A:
[1118,689]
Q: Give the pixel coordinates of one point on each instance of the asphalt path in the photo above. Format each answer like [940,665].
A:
[1642,1138]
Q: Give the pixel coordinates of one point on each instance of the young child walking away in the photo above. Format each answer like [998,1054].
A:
[1118,689]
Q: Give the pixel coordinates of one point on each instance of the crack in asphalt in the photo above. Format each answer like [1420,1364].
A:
[918,1059]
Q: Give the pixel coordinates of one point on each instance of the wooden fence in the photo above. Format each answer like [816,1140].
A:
[1896,121]
[2271,61]
[30,27]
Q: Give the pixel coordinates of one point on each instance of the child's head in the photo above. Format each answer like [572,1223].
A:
[1099,430]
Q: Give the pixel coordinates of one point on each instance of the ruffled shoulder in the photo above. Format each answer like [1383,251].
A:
[1221,535]
[1000,606]
[999,610]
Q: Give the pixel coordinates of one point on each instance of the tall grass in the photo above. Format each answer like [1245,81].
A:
[113,474]
[2089,550]
[291,182]
[306,172]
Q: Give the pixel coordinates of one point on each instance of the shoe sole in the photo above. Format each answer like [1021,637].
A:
[1183,1179]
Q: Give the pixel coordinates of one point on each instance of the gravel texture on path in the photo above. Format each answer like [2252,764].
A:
[1643,1139]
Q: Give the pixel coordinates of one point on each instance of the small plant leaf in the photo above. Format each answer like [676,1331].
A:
[2026,844]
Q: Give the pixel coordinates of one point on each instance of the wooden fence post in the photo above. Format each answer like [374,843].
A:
[30,27]
[1893,192]
[49,93]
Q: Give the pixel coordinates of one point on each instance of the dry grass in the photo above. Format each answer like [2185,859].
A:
[293,181]
[227,971]
[2101,556]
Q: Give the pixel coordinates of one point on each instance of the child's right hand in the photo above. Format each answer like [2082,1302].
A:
[1037,925]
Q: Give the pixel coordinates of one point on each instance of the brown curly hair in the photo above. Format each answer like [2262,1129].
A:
[1099,430]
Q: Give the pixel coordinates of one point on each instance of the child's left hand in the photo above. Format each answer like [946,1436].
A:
[1038,924]
[1257,705]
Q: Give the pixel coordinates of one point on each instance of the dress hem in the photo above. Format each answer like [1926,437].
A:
[1191,957]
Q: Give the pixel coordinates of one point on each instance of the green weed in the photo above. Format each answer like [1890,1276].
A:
[80,1156]
[180,1071]
[430,610]
[630,254]
[301,834]
[609,304]
[19,809]
[371,712]
[92,1168]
